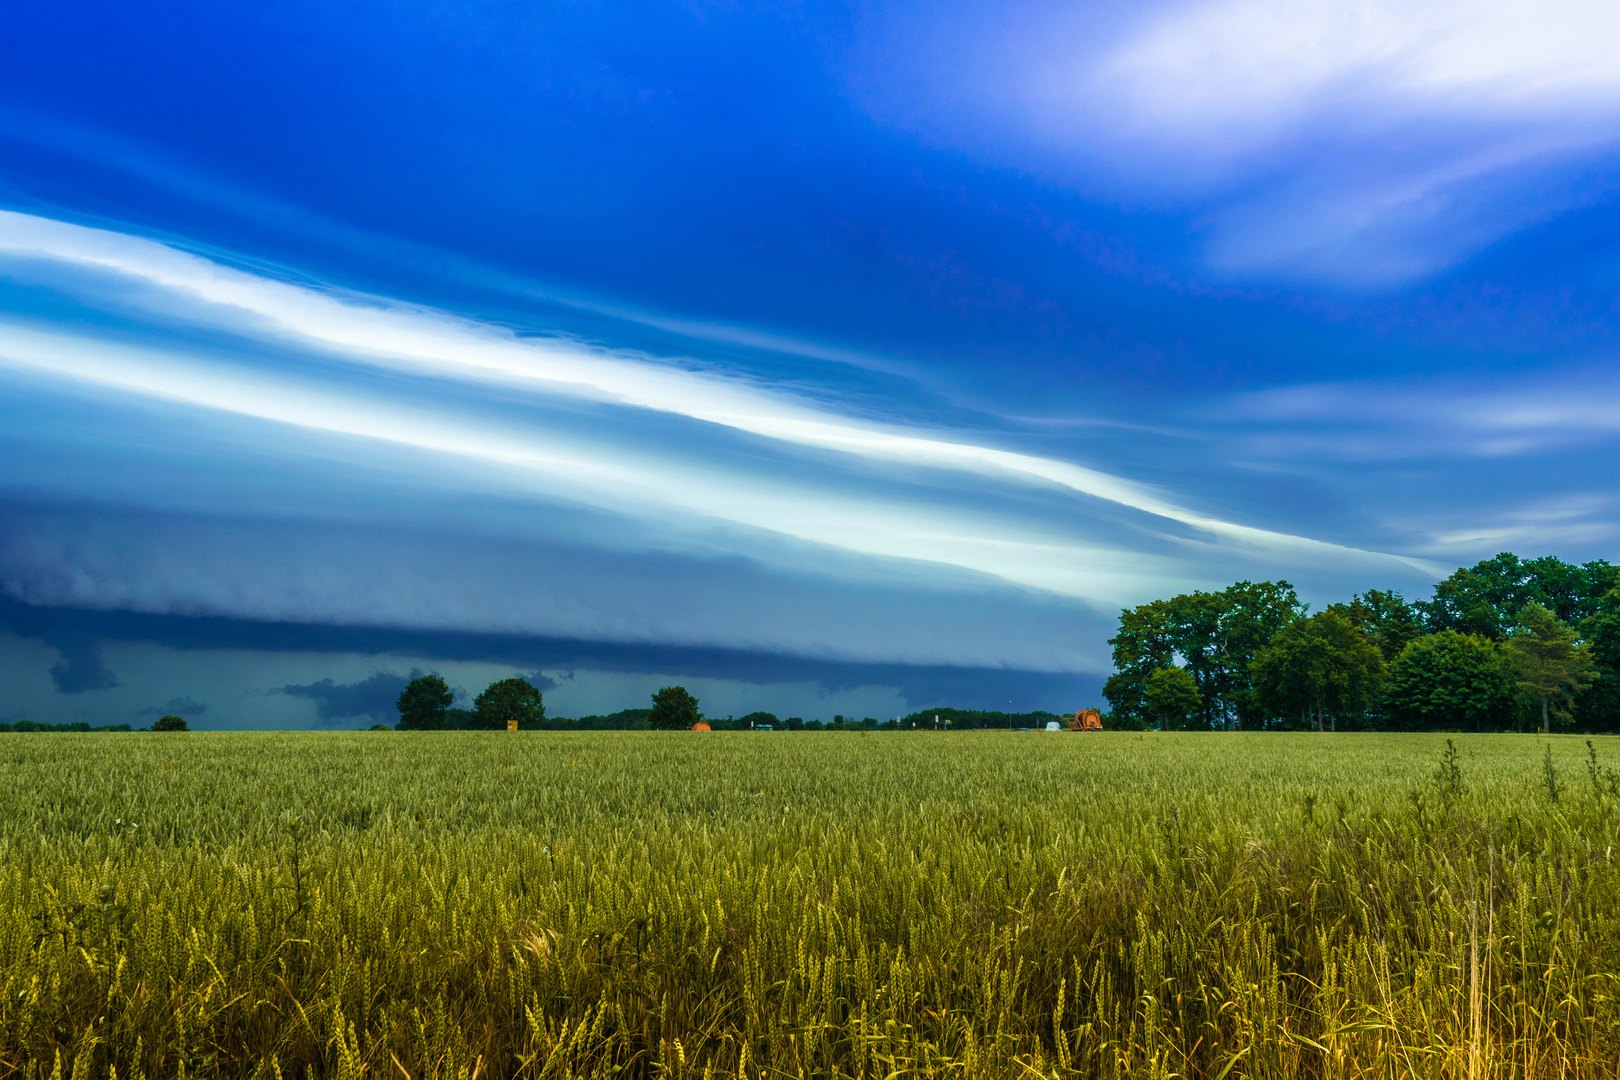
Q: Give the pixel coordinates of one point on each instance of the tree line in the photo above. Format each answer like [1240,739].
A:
[1508,644]
[424,705]
[165,723]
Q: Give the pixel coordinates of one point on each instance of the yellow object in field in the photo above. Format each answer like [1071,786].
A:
[511,725]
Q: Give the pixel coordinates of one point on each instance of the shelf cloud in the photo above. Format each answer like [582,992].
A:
[470,395]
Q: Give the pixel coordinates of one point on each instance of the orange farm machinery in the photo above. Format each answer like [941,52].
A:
[1086,720]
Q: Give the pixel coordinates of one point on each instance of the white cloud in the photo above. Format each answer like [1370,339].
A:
[1257,66]
[1550,409]
[1367,142]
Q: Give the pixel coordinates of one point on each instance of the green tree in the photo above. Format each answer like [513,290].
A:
[1254,613]
[1387,618]
[1170,698]
[507,700]
[1598,709]
[1320,668]
[1214,636]
[673,709]
[169,723]
[422,704]
[1551,664]
[1449,680]
[1486,598]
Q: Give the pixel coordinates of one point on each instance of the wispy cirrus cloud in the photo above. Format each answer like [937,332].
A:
[1360,142]
[1233,76]
[1456,468]
[1547,411]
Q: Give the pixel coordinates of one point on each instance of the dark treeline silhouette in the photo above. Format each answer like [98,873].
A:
[1508,644]
[424,705]
[975,719]
[33,725]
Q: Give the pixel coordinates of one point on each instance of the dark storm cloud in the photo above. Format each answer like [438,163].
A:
[81,667]
[920,685]
[374,697]
[78,642]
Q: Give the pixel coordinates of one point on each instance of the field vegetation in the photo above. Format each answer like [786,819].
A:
[552,904]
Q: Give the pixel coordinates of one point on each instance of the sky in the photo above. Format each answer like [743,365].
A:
[822,358]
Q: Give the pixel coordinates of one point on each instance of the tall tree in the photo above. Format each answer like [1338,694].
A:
[1322,667]
[1551,664]
[423,702]
[1141,647]
[1212,636]
[1486,598]
[1254,612]
[673,709]
[1449,680]
[505,701]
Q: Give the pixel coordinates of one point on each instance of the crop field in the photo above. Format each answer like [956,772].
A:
[545,904]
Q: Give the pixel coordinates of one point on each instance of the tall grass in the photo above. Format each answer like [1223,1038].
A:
[643,904]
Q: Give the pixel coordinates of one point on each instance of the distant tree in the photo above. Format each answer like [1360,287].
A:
[673,709]
[507,700]
[77,725]
[1552,666]
[379,727]
[169,723]
[623,720]
[1321,667]
[1449,680]
[1170,698]
[756,718]
[422,703]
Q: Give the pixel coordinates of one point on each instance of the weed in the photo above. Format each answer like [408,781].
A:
[1549,775]
[1449,776]
[1604,780]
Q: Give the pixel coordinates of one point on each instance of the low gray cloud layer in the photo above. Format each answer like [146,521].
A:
[341,675]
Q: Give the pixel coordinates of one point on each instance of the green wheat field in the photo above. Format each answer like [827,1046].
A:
[539,904]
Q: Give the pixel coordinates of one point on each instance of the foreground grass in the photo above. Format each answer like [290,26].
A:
[560,904]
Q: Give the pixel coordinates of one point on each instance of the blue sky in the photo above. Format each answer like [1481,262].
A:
[828,358]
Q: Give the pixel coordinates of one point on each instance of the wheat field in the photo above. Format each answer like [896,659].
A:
[542,904]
